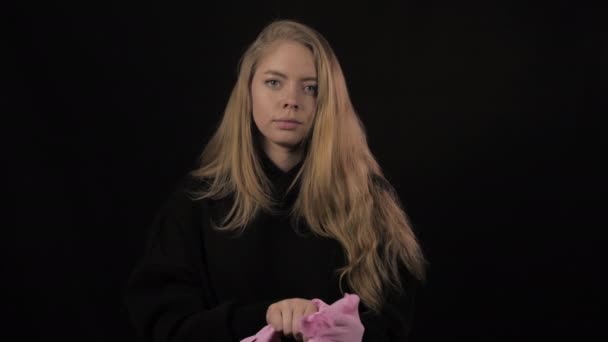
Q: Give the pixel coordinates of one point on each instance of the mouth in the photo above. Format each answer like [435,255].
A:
[287,124]
[289,121]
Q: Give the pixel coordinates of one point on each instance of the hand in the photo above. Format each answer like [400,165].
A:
[285,316]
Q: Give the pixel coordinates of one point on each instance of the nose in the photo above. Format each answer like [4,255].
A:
[290,105]
[291,100]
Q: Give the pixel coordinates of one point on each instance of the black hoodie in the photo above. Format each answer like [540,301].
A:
[194,283]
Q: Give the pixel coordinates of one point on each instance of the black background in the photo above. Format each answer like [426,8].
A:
[469,107]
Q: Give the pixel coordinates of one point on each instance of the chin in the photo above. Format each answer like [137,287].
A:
[288,143]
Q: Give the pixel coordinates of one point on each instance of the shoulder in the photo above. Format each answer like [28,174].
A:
[188,188]
[182,199]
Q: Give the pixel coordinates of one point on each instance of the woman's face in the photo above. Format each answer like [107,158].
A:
[283,94]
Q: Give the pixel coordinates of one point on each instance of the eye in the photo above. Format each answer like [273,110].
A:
[272,83]
[311,89]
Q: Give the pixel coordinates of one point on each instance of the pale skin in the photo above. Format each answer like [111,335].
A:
[285,316]
[284,87]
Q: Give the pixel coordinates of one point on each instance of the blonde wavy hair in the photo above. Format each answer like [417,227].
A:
[343,194]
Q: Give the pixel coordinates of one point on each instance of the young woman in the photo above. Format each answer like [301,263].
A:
[288,205]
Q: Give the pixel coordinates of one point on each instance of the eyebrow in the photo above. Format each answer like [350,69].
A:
[282,75]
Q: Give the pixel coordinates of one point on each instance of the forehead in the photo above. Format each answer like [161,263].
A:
[288,57]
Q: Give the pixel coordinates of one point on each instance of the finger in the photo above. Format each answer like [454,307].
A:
[273,317]
[286,315]
[297,317]
[310,309]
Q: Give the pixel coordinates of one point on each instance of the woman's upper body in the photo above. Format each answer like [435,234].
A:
[288,204]
[195,283]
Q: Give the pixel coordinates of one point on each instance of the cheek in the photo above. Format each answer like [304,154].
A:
[311,112]
[261,105]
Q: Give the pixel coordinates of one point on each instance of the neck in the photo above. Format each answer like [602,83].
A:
[284,158]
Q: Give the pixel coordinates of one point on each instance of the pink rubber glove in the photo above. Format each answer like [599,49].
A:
[338,322]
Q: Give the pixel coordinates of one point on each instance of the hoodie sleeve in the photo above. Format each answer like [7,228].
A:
[168,295]
[394,323]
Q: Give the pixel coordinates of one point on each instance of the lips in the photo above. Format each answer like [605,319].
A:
[289,120]
[287,124]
